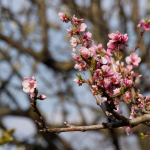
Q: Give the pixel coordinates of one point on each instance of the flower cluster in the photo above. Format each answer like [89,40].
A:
[118,41]
[109,76]
[29,86]
[145,23]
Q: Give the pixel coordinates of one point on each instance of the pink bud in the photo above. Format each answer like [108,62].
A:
[42,97]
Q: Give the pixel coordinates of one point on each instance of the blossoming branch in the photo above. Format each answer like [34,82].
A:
[110,77]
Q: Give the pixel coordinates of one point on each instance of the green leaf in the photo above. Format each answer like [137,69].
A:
[91,70]
[146,20]
[79,77]
[129,101]
[142,135]
[123,90]
[119,58]
[74,29]
[102,54]
[66,15]
[94,64]
[148,107]
[115,53]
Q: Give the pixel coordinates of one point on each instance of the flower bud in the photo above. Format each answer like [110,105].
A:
[42,97]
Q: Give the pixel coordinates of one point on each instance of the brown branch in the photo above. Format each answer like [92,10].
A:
[116,124]
[98,102]
[138,44]
[42,124]
[107,111]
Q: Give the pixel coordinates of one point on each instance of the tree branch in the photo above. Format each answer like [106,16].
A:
[132,122]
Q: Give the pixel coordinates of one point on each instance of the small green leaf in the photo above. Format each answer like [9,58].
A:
[119,58]
[94,64]
[90,82]
[146,20]
[74,29]
[148,107]
[79,77]
[123,90]
[142,135]
[129,101]
[91,70]
[66,15]
[102,54]
[115,53]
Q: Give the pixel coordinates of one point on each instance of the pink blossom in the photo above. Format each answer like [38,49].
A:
[140,104]
[104,60]
[29,84]
[80,66]
[107,71]
[74,43]
[129,68]
[76,20]
[111,47]
[118,111]
[115,79]
[70,32]
[63,17]
[100,47]
[95,87]
[117,63]
[116,91]
[140,95]
[78,81]
[104,99]
[132,113]
[98,65]
[87,36]
[106,82]
[108,52]
[133,59]
[97,73]
[127,95]
[135,75]
[82,27]
[93,49]
[76,57]
[144,24]
[90,81]
[85,52]
[32,95]
[128,130]
[96,57]
[117,39]
[115,36]
[127,82]
[100,81]
[42,97]
[124,38]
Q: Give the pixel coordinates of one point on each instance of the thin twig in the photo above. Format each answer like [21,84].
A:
[138,44]
[39,114]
